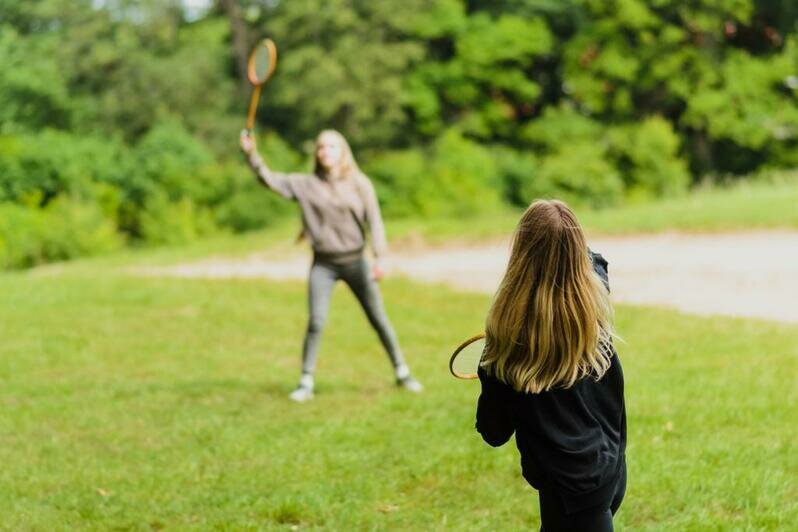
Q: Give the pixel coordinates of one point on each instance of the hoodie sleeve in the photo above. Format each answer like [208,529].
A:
[494,417]
[374,218]
[600,266]
[277,182]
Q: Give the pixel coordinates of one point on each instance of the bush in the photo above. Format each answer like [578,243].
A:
[454,177]
[464,176]
[65,229]
[514,169]
[575,165]
[165,222]
[51,163]
[165,161]
[21,236]
[578,173]
[74,229]
[648,154]
[559,126]
[165,177]
[401,180]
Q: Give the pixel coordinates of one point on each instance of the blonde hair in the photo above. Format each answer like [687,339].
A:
[550,323]
[347,166]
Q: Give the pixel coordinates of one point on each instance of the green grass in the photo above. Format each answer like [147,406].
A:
[161,404]
[747,205]
[744,206]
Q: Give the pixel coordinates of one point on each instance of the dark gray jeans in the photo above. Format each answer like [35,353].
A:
[356,274]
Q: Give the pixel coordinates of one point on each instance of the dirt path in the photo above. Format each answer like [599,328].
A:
[752,274]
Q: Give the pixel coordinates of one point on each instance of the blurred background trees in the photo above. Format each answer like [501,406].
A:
[119,118]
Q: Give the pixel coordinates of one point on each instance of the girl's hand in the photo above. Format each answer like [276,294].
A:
[247,142]
[377,273]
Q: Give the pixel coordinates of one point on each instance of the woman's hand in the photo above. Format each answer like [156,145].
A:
[247,142]
[377,273]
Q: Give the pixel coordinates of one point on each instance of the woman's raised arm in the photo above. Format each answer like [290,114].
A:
[275,181]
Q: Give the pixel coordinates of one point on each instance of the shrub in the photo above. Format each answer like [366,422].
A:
[65,229]
[401,180]
[165,222]
[648,155]
[578,173]
[21,236]
[559,126]
[515,168]
[52,163]
[73,229]
[165,161]
[455,176]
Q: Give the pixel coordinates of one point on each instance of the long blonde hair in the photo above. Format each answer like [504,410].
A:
[347,166]
[550,323]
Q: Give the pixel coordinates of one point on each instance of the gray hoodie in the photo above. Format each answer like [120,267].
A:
[335,211]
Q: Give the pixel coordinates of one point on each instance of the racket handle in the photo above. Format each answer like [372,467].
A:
[253,106]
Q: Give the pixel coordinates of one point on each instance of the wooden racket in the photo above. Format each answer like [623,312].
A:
[465,360]
[260,67]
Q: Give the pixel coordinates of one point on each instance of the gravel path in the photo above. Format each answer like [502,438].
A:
[751,274]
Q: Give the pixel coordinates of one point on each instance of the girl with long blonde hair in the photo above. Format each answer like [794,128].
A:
[339,209]
[550,373]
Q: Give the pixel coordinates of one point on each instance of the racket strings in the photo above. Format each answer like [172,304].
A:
[465,362]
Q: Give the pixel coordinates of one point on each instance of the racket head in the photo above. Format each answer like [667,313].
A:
[464,362]
[262,62]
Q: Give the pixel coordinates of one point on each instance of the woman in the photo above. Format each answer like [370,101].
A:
[549,373]
[337,202]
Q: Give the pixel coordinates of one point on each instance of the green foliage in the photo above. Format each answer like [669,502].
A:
[449,178]
[21,235]
[579,170]
[32,94]
[558,124]
[515,170]
[49,163]
[648,154]
[739,106]
[579,173]
[489,57]
[167,159]
[453,106]
[349,64]
[65,229]
[173,222]
[75,228]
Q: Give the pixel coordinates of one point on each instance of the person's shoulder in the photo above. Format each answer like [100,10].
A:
[600,266]
[598,259]
[490,380]
[362,180]
[301,179]
[485,376]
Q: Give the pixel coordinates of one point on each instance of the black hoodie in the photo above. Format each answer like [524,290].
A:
[572,441]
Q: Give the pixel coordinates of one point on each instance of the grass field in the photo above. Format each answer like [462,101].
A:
[745,206]
[137,404]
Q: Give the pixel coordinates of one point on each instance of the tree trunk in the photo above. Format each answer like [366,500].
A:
[239,39]
[703,163]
